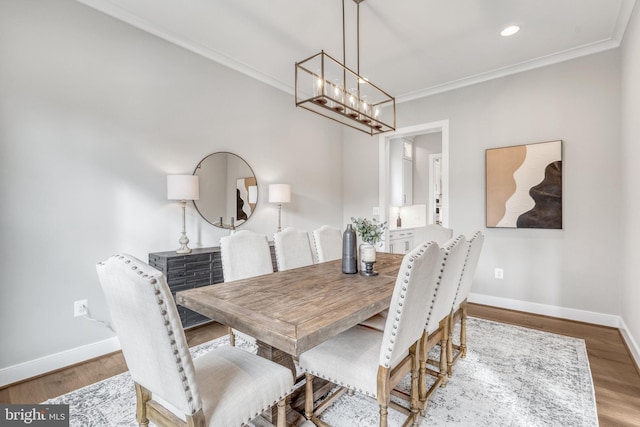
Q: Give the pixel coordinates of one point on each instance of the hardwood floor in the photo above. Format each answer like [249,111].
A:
[616,378]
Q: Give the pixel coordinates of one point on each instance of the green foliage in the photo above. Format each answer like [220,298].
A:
[369,231]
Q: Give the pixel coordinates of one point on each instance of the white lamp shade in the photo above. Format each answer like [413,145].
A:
[183,187]
[279,193]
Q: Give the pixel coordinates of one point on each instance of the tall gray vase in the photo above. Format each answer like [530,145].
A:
[349,251]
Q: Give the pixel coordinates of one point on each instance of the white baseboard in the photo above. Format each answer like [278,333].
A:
[631,343]
[548,310]
[42,365]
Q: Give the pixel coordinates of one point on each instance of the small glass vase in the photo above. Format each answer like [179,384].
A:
[367,259]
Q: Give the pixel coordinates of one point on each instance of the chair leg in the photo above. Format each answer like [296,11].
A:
[463,329]
[197,420]
[444,324]
[232,338]
[452,318]
[142,397]
[308,396]
[383,415]
[422,360]
[415,378]
[282,413]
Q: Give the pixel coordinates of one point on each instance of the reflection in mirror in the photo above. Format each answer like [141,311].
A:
[228,190]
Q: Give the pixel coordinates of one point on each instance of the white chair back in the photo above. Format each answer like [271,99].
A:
[293,249]
[245,254]
[469,270]
[437,233]
[146,320]
[328,242]
[415,285]
[455,252]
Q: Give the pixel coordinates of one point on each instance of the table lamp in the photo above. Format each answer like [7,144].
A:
[183,188]
[279,193]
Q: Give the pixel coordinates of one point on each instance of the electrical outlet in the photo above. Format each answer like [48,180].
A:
[376,211]
[80,308]
[499,273]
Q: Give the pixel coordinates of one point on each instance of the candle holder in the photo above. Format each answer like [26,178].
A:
[368,269]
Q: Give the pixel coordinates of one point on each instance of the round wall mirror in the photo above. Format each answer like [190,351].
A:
[228,190]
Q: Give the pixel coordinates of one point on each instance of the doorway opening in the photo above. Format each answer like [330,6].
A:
[430,178]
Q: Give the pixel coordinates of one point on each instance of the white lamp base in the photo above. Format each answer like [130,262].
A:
[184,241]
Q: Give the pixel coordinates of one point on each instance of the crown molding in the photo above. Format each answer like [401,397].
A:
[511,70]
[108,8]
[624,14]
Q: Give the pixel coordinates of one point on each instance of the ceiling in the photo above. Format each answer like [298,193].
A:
[409,48]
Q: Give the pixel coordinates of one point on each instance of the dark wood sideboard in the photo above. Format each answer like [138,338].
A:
[201,267]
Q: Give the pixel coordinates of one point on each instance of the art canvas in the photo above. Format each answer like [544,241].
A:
[246,198]
[524,186]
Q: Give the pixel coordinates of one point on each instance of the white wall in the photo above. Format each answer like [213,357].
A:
[93,115]
[631,179]
[577,268]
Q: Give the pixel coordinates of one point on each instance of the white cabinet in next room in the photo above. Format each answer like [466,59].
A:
[401,241]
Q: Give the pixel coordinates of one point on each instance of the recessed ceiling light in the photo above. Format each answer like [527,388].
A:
[509,31]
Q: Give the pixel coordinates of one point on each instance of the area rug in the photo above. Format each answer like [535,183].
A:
[512,376]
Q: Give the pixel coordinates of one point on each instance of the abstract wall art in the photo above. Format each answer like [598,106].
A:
[524,186]
[246,198]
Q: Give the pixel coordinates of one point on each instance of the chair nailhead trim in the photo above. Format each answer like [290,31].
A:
[333,380]
[167,323]
[395,325]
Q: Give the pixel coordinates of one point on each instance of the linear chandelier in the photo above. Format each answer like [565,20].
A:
[329,88]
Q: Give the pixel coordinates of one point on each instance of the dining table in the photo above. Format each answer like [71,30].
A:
[289,312]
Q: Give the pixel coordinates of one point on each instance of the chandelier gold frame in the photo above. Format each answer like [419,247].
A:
[329,88]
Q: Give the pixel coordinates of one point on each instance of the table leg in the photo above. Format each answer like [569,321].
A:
[295,405]
[282,358]
[278,356]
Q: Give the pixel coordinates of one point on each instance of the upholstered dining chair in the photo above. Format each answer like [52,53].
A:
[438,234]
[293,249]
[436,331]
[244,254]
[459,309]
[328,243]
[370,362]
[438,309]
[224,387]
